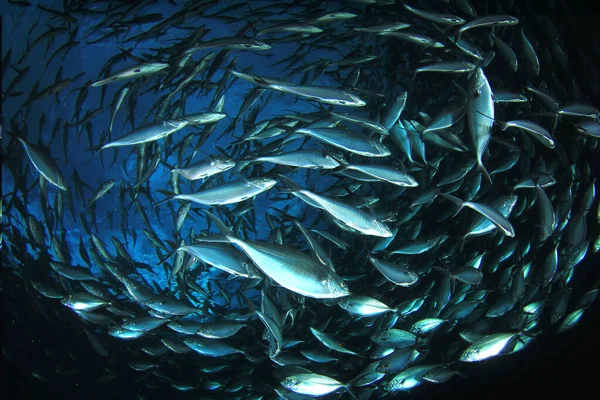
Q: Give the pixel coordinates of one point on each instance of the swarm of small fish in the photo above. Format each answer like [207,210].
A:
[426,200]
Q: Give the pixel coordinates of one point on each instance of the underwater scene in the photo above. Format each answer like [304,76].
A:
[352,199]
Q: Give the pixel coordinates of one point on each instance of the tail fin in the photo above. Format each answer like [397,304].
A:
[460,203]
[292,186]
[170,196]
[481,168]
[96,150]
[220,225]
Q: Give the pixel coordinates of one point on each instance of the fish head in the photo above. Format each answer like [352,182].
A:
[356,101]
[336,285]
[60,183]
[382,229]
[383,150]
[470,355]
[291,383]
[477,81]
[223,163]
[178,123]
[256,45]
[590,128]
[263,183]
[153,67]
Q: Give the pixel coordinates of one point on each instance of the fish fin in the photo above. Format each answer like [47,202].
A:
[350,389]
[96,150]
[214,239]
[220,225]
[291,185]
[484,171]
[460,203]
[249,304]
[168,256]
[170,195]
[240,165]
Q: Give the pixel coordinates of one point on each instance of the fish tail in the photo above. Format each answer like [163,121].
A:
[460,203]
[242,165]
[170,195]
[220,225]
[350,390]
[291,185]
[172,168]
[169,255]
[96,150]
[484,171]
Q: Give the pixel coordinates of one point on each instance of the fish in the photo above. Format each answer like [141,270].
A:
[228,193]
[487,347]
[493,215]
[313,385]
[289,267]
[234,43]
[440,18]
[133,71]
[537,131]
[480,116]
[348,140]
[44,164]
[206,168]
[495,20]
[350,216]
[147,133]
[319,93]
[101,191]
[385,119]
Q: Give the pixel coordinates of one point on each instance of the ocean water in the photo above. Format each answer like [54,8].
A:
[46,351]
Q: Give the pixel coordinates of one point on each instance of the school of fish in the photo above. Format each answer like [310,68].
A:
[298,199]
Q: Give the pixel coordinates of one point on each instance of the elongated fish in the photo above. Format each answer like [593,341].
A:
[488,21]
[480,116]
[203,169]
[487,347]
[444,19]
[349,215]
[232,43]
[490,213]
[348,140]
[323,94]
[44,164]
[132,72]
[147,133]
[101,191]
[536,130]
[312,159]
[228,193]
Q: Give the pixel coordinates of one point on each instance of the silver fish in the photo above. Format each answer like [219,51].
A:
[228,193]
[480,116]
[132,72]
[208,167]
[350,216]
[348,140]
[44,164]
[490,213]
[147,133]
[487,347]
